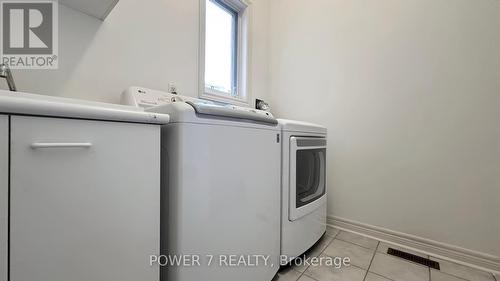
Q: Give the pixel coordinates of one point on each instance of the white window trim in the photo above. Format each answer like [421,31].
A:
[243,7]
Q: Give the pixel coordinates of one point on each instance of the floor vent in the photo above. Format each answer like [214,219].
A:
[413,258]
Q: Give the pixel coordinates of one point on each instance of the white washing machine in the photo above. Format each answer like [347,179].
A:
[220,179]
[303,186]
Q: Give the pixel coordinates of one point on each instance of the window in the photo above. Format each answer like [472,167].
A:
[220,48]
[223,50]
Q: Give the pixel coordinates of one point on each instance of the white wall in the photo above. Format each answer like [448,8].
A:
[142,43]
[409,91]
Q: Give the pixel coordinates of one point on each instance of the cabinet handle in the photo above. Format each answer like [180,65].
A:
[61,145]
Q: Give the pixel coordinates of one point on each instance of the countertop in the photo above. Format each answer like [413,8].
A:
[41,105]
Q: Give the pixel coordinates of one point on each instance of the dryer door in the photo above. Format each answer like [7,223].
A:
[307,175]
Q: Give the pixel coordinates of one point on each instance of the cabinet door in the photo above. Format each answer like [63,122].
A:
[4,194]
[84,200]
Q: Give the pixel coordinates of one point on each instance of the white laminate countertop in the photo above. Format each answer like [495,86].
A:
[41,105]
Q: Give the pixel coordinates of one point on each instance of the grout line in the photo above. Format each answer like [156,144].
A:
[381,276]
[333,238]
[356,266]
[304,273]
[352,265]
[373,257]
[451,275]
[461,265]
[357,244]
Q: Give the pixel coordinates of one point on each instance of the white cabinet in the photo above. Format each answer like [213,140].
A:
[4,194]
[84,200]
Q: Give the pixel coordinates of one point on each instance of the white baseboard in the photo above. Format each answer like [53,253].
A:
[433,248]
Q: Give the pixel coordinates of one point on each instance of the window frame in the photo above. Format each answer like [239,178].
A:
[240,55]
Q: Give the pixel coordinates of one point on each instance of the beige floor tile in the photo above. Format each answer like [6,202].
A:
[331,231]
[374,277]
[315,251]
[321,245]
[359,256]
[464,272]
[357,239]
[329,273]
[382,248]
[306,278]
[287,274]
[398,269]
[439,276]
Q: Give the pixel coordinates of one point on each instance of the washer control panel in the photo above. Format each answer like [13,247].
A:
[147,98]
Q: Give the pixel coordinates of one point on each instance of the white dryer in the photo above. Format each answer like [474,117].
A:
[303,186]
[220,179]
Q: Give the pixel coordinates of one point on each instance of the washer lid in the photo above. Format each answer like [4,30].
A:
[299,126]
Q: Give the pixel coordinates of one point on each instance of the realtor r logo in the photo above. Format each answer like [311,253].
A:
[29,34]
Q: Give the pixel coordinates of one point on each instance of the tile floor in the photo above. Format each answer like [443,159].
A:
[369,262]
